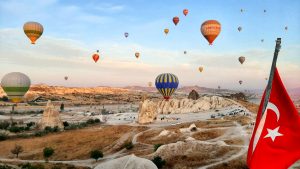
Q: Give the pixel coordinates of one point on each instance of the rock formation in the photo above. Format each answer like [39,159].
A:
[127,162]
[147,112]
[192,106]
[50,117]
[181,148]
[193,95]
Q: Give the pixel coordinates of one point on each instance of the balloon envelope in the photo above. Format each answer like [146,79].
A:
[166,84]
[66,77]
[240,82]
[185,12]
[15,85]
[242,59]
[200,68]
[126,34]
[33,30]
[175,20]
[210,29]
[166,31]
[185,52]
[96,56]
[239,28]
[137,54]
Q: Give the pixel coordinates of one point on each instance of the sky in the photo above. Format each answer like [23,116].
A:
[75,29]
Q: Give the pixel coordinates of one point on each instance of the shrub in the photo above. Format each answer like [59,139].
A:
[66,124]
[40,133]
[29,166]
[128,145]
[96,154]
[156,146]
[158,161]
[48,152]
[90,121]
[4,125]
[30,124]
[3,136]
[62,107]
[15,129]
[4,166]
[97,120]
[4,98]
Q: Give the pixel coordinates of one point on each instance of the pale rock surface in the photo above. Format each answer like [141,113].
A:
[181,148]
[147,112]
[191,128]
[127,162]
[192,106]
[50,117]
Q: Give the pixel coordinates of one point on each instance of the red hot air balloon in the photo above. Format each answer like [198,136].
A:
[185,12]
[210,29]
[175,20]
[96,56]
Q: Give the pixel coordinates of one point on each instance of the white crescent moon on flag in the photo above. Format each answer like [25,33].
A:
[262,121]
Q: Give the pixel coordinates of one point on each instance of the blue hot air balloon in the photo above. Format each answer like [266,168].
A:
[166,84]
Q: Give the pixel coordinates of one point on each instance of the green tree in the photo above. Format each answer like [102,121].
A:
[156,146]
[158,161]
[48,152]
[128,145]
[96,154]
[17,150]
[62,107]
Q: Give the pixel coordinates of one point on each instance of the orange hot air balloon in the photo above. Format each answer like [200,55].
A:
[175,20]
[166,31]
[96,56]
[33,30]
[210,29]
[185,12]
[137,55]
[200,68]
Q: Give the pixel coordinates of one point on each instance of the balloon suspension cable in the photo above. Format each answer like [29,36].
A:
[269,86]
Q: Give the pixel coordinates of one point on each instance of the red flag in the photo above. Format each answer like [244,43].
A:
[275,142]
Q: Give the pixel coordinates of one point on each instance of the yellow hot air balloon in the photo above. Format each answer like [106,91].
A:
[33,30]
[166,31]
[200,68]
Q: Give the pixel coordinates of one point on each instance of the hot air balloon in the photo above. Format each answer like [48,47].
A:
[166,84]
[166,31]
[219,87]
[150,84]
[210,29]
[286,28]
[266,78]
[33,30]
[126,34]
[175,20]
[240,82]
[96,56]
[239,28]
[262,40]
[242,59]
[137,55]
[15,85]
[242,10]
[265,11]
[200,68]
[185,52]
[66,77]
[185,12]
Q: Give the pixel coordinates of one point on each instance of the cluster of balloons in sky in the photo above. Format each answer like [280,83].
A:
[16,84]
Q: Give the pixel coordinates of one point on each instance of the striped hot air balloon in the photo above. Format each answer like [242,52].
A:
[33,30]
[166,84]
[210,29]
[15,85]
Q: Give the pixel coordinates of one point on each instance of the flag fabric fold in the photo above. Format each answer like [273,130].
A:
[275,141]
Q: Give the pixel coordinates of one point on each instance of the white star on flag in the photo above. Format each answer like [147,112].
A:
[273,133]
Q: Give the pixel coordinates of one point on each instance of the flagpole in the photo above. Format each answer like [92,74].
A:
[269,86]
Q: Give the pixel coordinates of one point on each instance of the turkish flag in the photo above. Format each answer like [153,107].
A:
[275,141]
